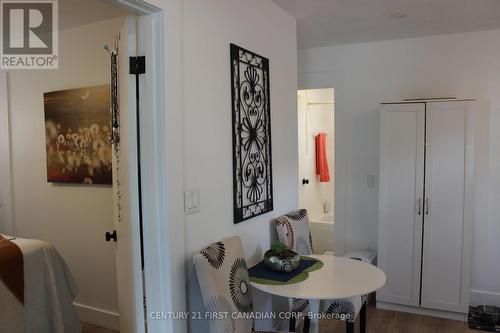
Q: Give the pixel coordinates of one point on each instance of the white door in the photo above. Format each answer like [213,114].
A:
[446,260]
[126,190]
[400,201]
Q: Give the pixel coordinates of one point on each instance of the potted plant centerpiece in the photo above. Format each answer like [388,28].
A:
[280,258]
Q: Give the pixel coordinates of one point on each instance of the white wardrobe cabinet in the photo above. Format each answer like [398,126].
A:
[425,212]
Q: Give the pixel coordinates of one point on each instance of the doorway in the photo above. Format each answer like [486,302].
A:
[85,63]
[316,132]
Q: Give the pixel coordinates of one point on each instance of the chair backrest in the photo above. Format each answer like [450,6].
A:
[225,286]
[293,229]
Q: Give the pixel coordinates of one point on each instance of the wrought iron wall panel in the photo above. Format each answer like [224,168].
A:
[252,162]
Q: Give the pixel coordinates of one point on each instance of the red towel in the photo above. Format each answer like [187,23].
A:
[321,159]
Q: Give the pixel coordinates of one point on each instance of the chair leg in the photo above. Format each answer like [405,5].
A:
[362,319]
[292,323]
[349,327]
[291,326]
[307,324]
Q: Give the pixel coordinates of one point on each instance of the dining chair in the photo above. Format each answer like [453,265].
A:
[294,230]
[225,286]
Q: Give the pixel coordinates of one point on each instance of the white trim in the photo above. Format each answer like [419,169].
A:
[152,167]
[173,180]
[479,297]
[6,212]
[336,80]
[422,311]
[98,317]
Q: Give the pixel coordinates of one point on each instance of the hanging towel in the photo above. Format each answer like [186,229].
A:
[321,160]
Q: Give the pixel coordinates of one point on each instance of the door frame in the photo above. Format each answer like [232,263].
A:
[6,212]
[161,161]
[336,80]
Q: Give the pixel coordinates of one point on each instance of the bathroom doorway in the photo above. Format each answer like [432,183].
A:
[316,122]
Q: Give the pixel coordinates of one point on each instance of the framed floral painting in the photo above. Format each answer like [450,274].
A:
[77,133]
[251,116]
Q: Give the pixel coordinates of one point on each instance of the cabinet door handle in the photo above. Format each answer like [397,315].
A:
[427,206]
[419,206]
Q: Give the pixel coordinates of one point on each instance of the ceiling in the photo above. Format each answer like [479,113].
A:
[73,13]
[332,22]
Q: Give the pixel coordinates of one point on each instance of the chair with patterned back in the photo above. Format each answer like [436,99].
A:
[294,230]
[222,272]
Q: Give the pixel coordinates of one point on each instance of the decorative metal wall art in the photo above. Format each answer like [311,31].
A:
[252,162]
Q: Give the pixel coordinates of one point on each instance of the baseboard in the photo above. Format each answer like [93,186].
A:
[98,317]
[478,297]
[422,311]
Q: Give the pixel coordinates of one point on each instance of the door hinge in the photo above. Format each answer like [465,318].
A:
[138,65]
[111,236]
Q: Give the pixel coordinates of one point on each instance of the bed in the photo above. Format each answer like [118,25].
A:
[36,288]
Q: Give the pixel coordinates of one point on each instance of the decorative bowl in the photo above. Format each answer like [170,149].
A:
[286,263]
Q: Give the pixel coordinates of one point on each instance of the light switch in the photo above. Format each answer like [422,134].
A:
[192,201]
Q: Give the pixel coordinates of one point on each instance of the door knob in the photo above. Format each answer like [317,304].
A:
[110,236]
[305,181]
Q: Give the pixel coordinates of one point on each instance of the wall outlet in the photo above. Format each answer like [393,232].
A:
[192,201]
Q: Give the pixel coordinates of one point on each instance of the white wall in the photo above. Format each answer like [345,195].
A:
[208,29]
[463,65]
[312,119]
[73,218]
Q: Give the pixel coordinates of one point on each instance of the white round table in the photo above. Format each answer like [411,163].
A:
[338,278]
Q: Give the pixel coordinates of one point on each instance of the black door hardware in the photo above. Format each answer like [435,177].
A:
[111,236]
